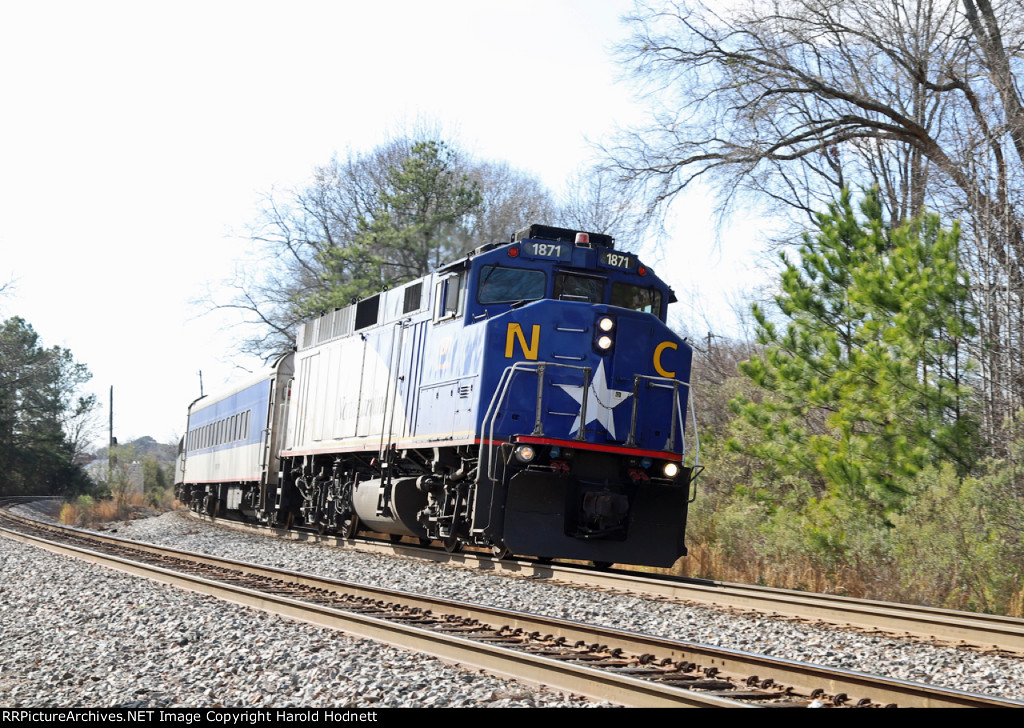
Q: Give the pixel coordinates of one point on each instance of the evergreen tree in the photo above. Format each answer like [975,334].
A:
[38,398]
[864,382]
[413,228]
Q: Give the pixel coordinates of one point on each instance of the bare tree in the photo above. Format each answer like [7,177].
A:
[512,200]
[594,203]
[299,233]
[787,102]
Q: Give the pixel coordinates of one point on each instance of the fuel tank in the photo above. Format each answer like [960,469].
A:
[390,509]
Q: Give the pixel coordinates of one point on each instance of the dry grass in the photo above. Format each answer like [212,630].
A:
[883,582]
[709,562]
[88,513]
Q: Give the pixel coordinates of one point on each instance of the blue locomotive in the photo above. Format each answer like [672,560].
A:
[528,398]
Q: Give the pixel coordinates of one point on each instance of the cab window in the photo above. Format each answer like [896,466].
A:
[509,285]
[638,298]
[575,287]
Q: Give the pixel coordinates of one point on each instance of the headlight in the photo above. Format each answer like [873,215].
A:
[604,334]
[525,453]
[670,470]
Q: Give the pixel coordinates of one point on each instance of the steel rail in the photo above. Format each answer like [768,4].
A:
[957,628]
[990,632]
[986,631]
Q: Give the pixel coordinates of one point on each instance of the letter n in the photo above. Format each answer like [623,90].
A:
[515,332]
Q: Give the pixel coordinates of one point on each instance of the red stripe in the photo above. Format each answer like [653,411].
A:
[573,444]
[578,445]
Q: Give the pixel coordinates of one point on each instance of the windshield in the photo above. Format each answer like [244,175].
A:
[508,285]
[572,287]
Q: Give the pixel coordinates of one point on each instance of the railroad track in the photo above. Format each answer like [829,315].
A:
[986,632]
[612,665]
[990,633]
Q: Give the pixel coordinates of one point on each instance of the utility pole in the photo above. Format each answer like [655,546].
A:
[113,441]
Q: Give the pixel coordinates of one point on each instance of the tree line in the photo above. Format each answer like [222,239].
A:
[395,213]
[47,428]
[844,450]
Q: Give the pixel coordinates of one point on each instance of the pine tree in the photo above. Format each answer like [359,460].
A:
[864,380]
[39,403]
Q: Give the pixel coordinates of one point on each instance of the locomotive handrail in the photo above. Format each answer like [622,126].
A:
[501,391]
[697,467]
[665,382]
[539,368]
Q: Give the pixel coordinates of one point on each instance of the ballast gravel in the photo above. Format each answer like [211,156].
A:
[77,635]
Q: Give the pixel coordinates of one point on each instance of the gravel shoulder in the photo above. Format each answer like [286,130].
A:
[82,636]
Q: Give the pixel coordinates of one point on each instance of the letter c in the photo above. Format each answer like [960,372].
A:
[657,359]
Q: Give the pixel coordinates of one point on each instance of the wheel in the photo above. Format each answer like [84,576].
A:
[453,544]
[425,542]
[395,537]
[501,551]
[602,565]
[349,527]
[545,559]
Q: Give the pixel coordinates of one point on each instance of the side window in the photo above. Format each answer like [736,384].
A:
[450,297]
[509,285]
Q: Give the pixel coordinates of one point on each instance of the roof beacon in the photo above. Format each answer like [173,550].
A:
[582,238]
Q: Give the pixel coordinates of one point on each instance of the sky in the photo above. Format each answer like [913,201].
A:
[137,140]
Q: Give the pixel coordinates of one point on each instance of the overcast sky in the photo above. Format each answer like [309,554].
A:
[137,138]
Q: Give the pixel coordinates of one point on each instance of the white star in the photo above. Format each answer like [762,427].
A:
[600,401]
